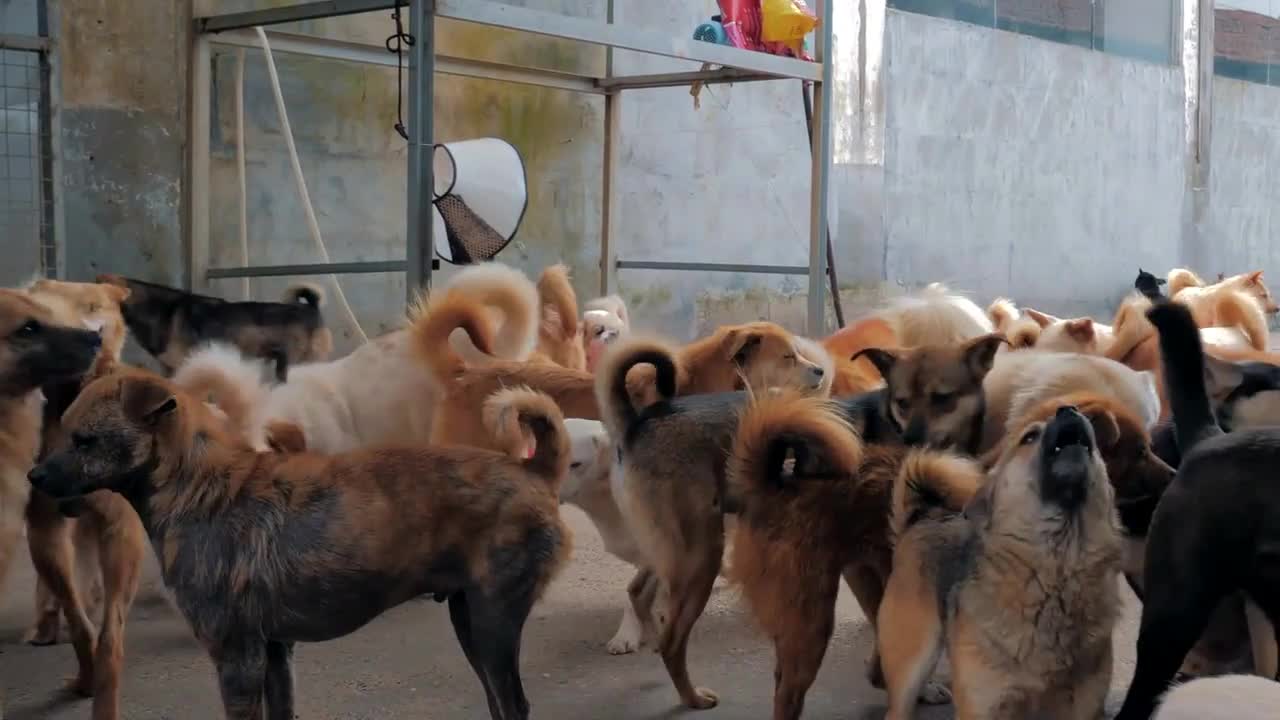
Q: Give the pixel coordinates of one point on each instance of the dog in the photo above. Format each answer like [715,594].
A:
[933,316]
[1149,285]
[936,395]
[814,505]
[670,484]
[1238,697]
[1019,381]
[1239,301]
[1020,587]
[1209,528]
[1020,330]
[560,336]
[1076,335]
[313,547]
[35,349]
[168,323]
[604,320]
[380,393]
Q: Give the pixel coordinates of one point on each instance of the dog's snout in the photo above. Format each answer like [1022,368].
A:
[818,371]
[96,340]
[38,475]
[1065,410]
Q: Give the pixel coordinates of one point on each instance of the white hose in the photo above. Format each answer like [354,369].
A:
[240,174]
[312,225]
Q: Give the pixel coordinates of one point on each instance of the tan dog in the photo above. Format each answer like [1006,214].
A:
[672,455]
[313,547]
[1239,301]
[560,338]
[1020,588]
[1021,330]
[1078,335]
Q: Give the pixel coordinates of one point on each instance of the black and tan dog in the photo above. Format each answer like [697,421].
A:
[169,323]
[1215,529]
[313,547]
[1020,587]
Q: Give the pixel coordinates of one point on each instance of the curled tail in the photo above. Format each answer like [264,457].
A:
[433,323]
[1180,279]
[511,413]
[778,426]
[559,303]
[616,408]
[1239,310]
[511,293]
[219,375]
[1183,359]
[303,294]
[1003,314]
[932,484]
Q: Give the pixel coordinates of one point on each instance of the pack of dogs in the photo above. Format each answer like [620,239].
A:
[981,480]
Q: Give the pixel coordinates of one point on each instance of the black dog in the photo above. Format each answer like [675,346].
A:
[1149,285]
[169,323]
[1214,528]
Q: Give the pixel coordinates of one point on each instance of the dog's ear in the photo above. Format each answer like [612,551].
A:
[1106,429]
[1221,376]
[884,360]
[117,293]
[1081,329]
[980,353]
[1253,278]
[146,401]
[1044,320]
[739,344]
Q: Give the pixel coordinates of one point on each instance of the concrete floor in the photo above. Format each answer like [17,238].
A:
[407,664]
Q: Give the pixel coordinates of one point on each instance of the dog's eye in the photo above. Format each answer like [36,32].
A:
[789,356]
[575,465]
[1030,436]
[31,327]
[599,331]
[942,398]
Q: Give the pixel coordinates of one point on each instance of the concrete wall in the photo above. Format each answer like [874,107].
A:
[1241,230]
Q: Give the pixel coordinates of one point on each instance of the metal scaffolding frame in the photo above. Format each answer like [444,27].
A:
[732,65]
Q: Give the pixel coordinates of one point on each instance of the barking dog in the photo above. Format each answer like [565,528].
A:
[801,527]
[314,547]
[168,323]
[1212,531]
[1021,587]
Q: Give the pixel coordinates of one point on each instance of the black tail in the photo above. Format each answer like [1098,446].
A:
[1183,355]
[611,380]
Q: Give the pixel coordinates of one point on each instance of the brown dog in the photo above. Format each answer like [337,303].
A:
[313,547]
[560,336]
[100,550]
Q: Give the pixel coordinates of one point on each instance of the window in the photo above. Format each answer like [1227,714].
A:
[1143,29]
[1246,40]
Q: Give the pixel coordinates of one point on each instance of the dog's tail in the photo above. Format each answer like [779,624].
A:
[219,375]
[559,302]
[436,319]
[1237,309]
[783,435]
[514,296]
[1180,279]
[616,408]
[303,294]
[932,484]
[1183,359]
[1003,313]
[518,417]
[1130,327]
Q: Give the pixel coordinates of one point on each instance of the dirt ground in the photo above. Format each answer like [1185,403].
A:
[407,664]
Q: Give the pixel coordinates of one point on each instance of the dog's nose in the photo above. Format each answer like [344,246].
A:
[37,475]
[818,372]
[97,340]
[1064,410]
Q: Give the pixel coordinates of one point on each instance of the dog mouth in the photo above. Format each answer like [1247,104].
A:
[1066,458]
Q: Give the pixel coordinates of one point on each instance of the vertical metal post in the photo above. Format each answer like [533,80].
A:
[820,173]
[421,92]
[201,100]
[612,113]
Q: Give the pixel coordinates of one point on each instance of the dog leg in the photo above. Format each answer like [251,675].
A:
[1262,640]
[490,637]
[279,681]
[242,673]
[49,540]
[687,598]
[868,589]
[799,651]
[48,626]
[121,558]
[909,636]
[627,639]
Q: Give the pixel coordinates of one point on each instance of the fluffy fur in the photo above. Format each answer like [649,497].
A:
[1237,697]
[1020,330]
[932,316]
[560,338]
[604,321]
[1241,301]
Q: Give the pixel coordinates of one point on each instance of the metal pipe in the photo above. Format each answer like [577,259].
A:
[201,112]
[333,268]
[831,253]
[712,267]
[608,185]
[820,174]
[420,249]
[291,13]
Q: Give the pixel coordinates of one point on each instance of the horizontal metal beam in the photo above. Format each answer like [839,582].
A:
[335,268]
[681,79]
[296,44]
[712,267]
[31,43]
[291,13]
[496,14]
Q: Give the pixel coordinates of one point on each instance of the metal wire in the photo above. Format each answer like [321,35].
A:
[26,188]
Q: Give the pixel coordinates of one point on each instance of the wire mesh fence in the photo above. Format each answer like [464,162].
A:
[26,182]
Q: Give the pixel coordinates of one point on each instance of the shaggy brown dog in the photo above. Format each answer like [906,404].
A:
[100,550]
[313,547]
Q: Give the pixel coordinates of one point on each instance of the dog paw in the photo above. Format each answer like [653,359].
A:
[703,699]
[622,645]
[935,693]
[41,636]
[81,686]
